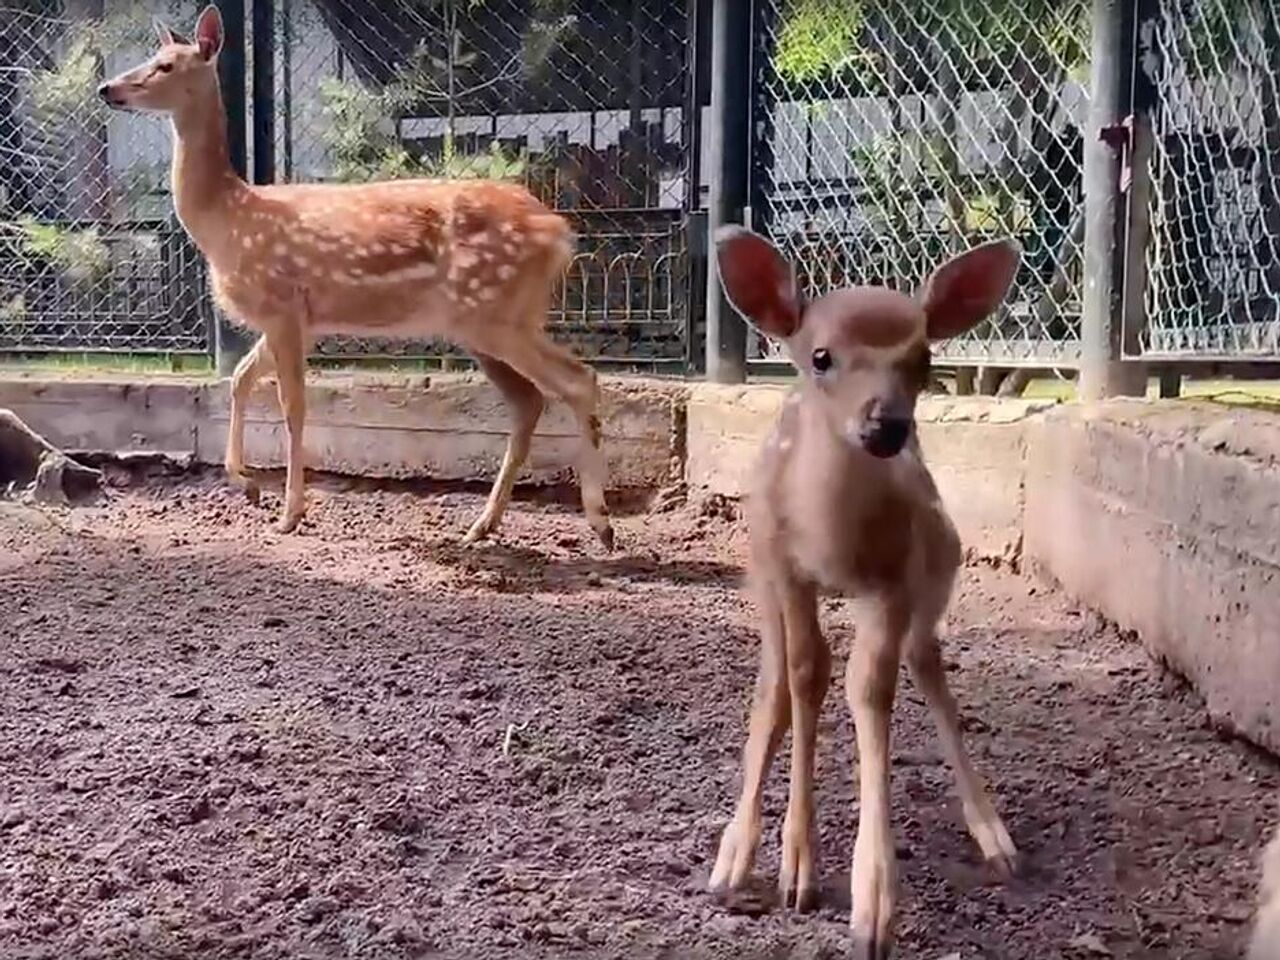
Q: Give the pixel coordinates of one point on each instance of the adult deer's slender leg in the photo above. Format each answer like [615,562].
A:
[526,403]
[924,657]
[870,685]
[288,347]
[558,373]
[256,364]
[770,717]
[808,676]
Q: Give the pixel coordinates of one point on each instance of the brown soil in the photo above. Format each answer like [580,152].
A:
[366,741]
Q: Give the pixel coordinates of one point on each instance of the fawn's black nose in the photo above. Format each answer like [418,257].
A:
[107,95]
[885,437]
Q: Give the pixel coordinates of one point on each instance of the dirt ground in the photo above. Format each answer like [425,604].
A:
[367,741]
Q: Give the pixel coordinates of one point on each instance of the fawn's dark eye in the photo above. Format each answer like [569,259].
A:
[164,67]
[822,361]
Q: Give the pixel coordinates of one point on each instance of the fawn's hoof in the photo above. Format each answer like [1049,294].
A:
[797,883]
[605,533]
[870,947]
[736,856]
[1006,866]
[480,530]
[238,478]
[874,890]
[289,522]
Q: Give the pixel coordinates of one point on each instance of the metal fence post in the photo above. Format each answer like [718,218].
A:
[264,91]
[697,97]
[232,342]
[1107,153]
[1141,93]
[730,173]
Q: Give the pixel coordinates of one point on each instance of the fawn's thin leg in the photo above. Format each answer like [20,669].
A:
[870,686]
[291,369]
[526,403]
[808,676]
[924,657]
[559,373]
[770,717]
[256,364]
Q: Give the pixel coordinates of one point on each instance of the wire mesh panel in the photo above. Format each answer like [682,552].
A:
[1213,262]
[893,134]
[91,257]
[581,101]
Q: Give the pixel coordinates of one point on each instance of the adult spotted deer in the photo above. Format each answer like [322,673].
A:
[471,261]
[843,501]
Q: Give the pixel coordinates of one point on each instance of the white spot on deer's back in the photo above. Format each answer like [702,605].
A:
[247,241]
[506,271]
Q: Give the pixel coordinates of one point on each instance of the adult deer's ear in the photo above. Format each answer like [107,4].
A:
[758,282]
[209,32]
[966,289]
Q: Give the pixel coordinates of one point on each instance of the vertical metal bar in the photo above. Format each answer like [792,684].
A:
[697,96]
[231,75]
[1102,371]
[286,79]
[232,342]
[264,91]
[730,175]
[1141,106]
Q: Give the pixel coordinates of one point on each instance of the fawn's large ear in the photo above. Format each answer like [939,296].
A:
[209,34]
[167,35]
[758,282]
[965,290]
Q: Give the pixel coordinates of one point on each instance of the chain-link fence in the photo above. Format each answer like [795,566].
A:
[91,257]
[1213,262]
[894,134]
[581,102]
[884,137]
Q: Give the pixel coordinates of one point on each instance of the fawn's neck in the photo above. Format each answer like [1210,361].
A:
[205,186]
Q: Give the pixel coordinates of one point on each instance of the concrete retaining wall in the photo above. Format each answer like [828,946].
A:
[1164,517]
[445,427]
[1167,519]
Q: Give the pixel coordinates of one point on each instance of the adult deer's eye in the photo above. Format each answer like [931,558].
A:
[822,361]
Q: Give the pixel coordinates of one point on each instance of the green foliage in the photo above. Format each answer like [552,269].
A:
[1216,31]
[80,255]
[13,309]
[493,164]
[824,40]
[356,133]
[67,88]
[819,39]
[364,148]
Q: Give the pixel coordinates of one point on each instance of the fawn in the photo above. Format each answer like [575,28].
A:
[1265,942]
[471,260]
[843,501]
